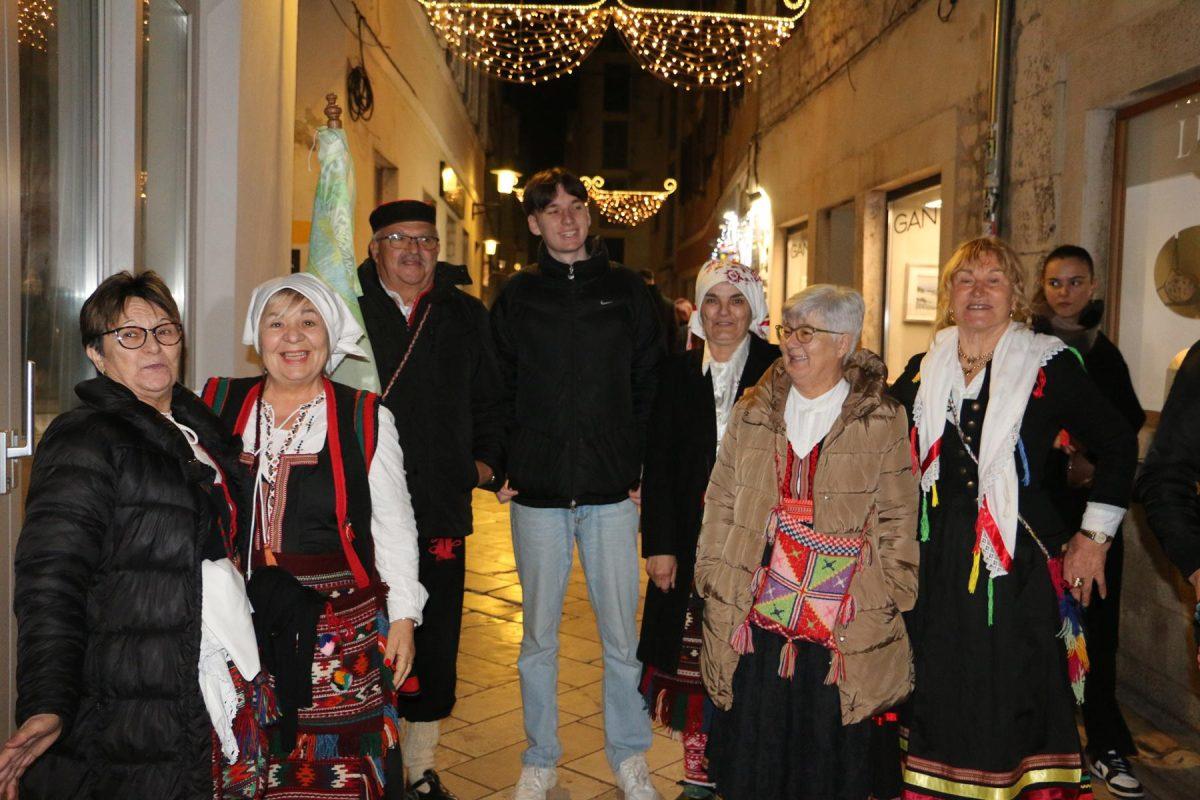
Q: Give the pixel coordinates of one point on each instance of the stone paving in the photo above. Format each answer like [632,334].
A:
[481,745]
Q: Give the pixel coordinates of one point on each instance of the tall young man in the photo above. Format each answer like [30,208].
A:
[579,344]
[440,379]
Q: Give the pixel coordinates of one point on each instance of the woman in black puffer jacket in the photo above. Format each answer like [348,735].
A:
[123,506]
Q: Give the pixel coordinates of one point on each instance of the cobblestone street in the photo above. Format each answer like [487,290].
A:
[480,753]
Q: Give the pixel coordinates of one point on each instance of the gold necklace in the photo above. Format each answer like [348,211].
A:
[973,363]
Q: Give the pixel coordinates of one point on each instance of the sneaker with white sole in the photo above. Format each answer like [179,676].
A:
[1112,768]
[633,778]
[535,782]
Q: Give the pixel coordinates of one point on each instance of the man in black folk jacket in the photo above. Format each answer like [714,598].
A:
[1170,479]
[438,372]
[579,342]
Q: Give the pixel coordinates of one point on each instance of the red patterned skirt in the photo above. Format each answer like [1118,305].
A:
[352,722]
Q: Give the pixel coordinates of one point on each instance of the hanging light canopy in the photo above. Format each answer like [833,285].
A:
[536,43]
[35,19]
[627,207]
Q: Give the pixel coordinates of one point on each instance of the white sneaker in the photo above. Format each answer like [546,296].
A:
[633,778]
[535,782]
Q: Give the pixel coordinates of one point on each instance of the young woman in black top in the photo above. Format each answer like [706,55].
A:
[1064,306]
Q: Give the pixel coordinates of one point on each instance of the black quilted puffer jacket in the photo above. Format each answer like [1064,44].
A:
[107,596]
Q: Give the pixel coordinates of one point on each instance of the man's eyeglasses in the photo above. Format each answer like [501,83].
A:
[131,337]
[804,333]
[399,241]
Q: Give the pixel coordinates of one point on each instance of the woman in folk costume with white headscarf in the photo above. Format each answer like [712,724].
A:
[333,548]
[697,390]
[992,712]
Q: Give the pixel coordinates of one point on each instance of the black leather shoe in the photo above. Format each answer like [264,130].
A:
[429,787]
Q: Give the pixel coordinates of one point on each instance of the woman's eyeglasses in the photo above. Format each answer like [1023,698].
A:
[131,337]
[803,333]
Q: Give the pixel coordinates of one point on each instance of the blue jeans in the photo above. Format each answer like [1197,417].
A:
[542,541]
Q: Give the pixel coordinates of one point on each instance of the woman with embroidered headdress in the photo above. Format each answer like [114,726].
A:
[992,712]
[332,552]
[807,556]
[697,390]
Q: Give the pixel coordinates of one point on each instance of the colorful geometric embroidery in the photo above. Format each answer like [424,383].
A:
[352,721]
[804,593]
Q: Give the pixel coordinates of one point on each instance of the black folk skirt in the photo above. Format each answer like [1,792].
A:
[992,712]
[785,738]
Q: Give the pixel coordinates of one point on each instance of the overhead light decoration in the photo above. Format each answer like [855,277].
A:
[536,43]
[34,19]
[623,207]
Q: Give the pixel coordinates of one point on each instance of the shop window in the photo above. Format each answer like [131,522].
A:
[1154,286]
[914,216]
[796,264]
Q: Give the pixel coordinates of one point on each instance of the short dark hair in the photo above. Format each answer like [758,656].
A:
[1070,251]
[542,187]
[104,306]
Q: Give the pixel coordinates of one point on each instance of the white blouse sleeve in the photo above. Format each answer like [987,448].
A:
[393,526]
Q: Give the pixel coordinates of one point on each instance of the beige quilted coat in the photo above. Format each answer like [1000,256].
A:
[864,478]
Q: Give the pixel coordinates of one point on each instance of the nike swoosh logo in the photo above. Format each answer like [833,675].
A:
[607,302]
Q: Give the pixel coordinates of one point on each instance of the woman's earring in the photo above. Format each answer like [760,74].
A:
[951,318]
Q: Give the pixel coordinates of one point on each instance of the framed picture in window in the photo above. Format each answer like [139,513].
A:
[920,293]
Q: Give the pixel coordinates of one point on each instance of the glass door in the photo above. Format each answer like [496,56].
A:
[95,145]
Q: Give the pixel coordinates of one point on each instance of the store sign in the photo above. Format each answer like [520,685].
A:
[916,219]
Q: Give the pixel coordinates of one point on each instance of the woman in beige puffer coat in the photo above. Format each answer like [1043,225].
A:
[810,734]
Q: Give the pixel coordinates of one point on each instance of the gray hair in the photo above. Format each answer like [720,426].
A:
[839,308]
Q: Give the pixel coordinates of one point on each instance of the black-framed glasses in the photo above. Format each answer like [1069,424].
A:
[399,241]
[803,333]
[131,337]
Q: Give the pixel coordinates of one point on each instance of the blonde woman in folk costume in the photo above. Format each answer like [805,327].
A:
[992,712]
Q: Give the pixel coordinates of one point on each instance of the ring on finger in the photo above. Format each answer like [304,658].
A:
[1077,583]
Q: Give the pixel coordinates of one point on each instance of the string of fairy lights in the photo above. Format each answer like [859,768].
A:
[626,207]
[35,18]
[537,43]
[622,206]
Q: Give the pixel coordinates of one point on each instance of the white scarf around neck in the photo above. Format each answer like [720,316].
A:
[1018,358]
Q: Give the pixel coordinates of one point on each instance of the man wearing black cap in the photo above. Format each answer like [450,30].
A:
[438,373]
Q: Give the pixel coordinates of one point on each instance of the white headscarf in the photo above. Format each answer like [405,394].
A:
[343,329]
[746,280]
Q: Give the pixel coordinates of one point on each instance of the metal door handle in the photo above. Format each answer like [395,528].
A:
[9,446]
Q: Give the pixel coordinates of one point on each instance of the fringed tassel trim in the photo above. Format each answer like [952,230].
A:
[742,641]
[924,524]
[991,600]
[787,660]
[973,581]
[1024,462]
[837,667]
[847,611]
[756,580]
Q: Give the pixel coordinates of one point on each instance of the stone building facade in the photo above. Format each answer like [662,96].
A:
[876,117]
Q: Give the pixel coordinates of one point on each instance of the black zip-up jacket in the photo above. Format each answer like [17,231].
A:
[579,348]
[447,402]
[107,595]
[1170,475]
